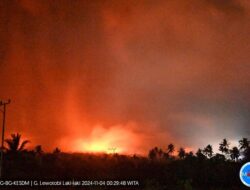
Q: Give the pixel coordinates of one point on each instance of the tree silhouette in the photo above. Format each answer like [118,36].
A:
[235,153]
[56,151]
[208,151]
[181,153]
[224,147]
[219,157]
[244,144]
[246,154]
[170,149]
[155,153]
[200,154]
[14,145]
[152,154]
[188,172]
[38,150]
[189,155]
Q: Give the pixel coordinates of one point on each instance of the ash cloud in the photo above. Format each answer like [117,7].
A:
[179,70]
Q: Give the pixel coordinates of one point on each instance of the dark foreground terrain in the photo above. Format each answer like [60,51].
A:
[191,172]
[170,170]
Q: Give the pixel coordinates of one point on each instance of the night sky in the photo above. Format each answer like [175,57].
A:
[90,75]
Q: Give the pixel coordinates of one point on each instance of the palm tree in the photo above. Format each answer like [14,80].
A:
[208,151]
[200,154]
[170,149]
[244,144]
[14,145]
[224,147]
[181,153]
[235,153]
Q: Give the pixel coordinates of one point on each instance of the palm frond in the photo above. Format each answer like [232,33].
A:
[23,145]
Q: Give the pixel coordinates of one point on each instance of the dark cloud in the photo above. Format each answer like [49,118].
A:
[228,6]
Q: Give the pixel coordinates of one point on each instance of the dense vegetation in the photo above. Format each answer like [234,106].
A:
[162,169]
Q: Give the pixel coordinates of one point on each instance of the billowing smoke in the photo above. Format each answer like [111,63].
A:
[90,75]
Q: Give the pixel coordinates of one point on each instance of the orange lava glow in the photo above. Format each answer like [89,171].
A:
[100,146]
[114,139]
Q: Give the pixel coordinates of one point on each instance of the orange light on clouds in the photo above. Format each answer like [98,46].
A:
[98,146]
[114,139]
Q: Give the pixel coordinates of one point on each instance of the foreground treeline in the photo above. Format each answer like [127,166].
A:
[162,169]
